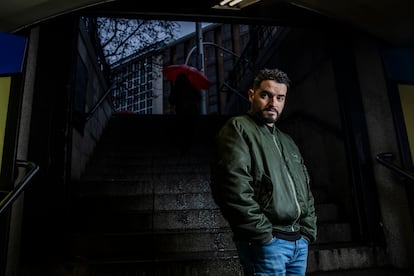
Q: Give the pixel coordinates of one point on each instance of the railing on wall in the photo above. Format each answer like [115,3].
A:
[384,159]
[99,102]
[253,56]
[12,195]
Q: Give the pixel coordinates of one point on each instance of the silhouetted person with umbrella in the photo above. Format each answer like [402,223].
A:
[185,97]
[187,101]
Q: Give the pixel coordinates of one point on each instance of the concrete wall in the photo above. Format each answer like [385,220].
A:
[313,118]
[22,152]
[397,223]
[157,86]
[83,144]
[312,113]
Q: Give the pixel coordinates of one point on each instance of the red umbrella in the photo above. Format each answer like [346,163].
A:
[196,77]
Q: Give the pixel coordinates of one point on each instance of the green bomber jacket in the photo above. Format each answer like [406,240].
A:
[260,182]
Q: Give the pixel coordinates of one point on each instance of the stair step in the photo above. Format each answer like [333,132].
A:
[329,261]
[148,202]
[346,257]
[144,203]
[175,238]
[120,156]
[136,222]
[334,232]
[326,211]
[320,194]
[170,184]
[149,245]
[177,201]
[373,271]
[144,170]
[201,267]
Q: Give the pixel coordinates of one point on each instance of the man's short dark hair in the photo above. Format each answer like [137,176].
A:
[270,74]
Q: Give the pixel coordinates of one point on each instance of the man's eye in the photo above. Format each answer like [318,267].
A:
[265,95]
[280,98]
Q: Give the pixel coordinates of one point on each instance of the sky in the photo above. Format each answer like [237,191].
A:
[188,27]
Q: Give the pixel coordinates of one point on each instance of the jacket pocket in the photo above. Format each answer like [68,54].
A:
[263,191]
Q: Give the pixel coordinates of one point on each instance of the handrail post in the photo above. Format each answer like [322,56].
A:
[382,159]
[12,195]
[200,50]
[99,102]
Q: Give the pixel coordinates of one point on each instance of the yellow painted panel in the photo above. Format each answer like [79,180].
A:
[4,103]
[407,103]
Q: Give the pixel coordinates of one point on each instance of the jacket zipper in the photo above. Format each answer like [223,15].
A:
[290,182]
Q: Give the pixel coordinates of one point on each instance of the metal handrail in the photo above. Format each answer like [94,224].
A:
[187,59]
[13,194]
[98,103]
[235,91]
[383,158]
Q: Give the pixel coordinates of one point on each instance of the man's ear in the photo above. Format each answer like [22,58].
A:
[250,94]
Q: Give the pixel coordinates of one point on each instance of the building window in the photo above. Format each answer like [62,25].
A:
[135,93]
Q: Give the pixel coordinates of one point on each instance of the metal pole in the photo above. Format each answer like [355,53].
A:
[187,59]
[199,32]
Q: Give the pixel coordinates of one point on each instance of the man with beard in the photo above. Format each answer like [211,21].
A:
[260,182]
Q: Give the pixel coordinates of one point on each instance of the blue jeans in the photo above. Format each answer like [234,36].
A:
[276,258]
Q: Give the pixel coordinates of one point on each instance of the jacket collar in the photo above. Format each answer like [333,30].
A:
[260,122]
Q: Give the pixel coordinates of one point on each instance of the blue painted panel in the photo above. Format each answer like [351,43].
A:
[399,64]
[12,51]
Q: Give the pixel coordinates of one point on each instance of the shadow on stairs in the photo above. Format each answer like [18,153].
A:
[143,207]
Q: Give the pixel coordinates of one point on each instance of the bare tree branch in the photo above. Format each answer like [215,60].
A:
[120,37]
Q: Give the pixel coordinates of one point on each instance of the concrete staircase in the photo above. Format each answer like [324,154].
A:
[144,207]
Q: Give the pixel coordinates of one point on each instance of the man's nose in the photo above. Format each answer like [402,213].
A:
[272,101]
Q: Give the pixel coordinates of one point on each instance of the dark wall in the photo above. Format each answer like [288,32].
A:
[45,200]
[325,116]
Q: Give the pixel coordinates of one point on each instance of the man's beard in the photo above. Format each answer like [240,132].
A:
[267,119]
[270,119]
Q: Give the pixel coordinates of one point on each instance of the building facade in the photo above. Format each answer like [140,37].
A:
[137,86]
[140,87]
